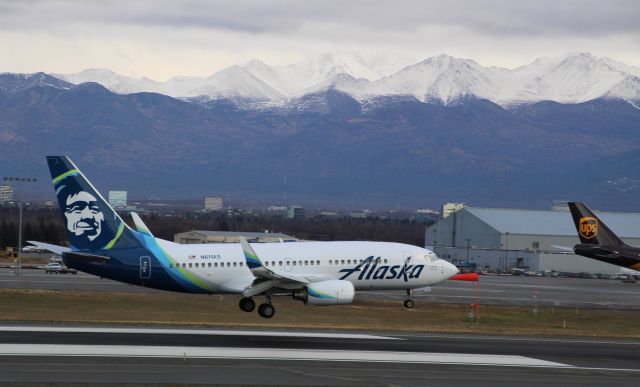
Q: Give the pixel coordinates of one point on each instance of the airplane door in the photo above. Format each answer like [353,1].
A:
[287,265]
[145,267]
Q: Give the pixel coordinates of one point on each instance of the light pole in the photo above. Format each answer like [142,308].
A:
[19,180]
[468,246]
[506,252]
[435,240]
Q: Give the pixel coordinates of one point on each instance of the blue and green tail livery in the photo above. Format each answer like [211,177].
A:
[90,222]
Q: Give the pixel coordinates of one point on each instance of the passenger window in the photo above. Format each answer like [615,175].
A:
[184,265]
[342,261]
[330,262]
[294,263]
[311,263]
[228,264]
[209,264]
[280,263]
[171,266]
[241,264]
[215,264]
[190,265]
[317,262]
[266,263]
[386,261]
[235,264]
[306,263]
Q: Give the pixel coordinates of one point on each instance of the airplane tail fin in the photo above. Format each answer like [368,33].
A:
[591,229]
[90,221]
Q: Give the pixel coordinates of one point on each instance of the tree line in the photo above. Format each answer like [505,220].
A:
[45,225]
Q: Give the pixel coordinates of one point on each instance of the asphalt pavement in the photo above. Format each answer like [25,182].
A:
[145,356]
[495,290]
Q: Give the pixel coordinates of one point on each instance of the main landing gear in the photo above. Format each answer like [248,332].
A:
[408,302]
[247,304]
[265,310]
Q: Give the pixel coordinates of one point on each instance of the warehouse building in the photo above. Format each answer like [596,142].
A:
[503,239]
[203,236]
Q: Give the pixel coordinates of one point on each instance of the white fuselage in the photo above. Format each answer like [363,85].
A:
[222,268]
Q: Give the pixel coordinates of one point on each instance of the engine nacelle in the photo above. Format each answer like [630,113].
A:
[332,292]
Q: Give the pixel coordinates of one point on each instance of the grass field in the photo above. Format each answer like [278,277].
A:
[222,311]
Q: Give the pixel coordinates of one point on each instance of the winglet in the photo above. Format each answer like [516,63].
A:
[140,226]
[260,271]
[250,256]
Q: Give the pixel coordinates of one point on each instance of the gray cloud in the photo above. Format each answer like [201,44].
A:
[196,37]
[494,17]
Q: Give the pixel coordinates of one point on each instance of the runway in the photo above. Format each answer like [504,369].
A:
[493,290]
[94,354]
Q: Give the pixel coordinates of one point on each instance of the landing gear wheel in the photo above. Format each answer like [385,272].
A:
[266,310]
[409,303]
[247,304]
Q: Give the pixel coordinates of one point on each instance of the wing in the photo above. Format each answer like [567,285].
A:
[261,271]
[266,278]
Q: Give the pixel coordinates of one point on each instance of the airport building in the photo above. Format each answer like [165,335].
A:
[504,239]
[118,199]
[295,212]
[212,203]
[203,236]
[6,194]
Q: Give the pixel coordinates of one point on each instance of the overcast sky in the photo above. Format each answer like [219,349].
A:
[160,39]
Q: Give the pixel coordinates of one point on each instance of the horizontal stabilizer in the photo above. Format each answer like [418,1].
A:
[84,257]
[49,247]
[140,226]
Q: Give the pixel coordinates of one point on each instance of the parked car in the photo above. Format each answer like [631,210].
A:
[57,268]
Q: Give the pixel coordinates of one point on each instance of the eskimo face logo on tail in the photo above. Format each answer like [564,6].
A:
[84,218]
[588,227]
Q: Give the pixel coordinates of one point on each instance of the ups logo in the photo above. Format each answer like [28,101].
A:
[588,227]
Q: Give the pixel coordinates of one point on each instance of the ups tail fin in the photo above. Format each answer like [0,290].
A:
[591,229]
[90,222]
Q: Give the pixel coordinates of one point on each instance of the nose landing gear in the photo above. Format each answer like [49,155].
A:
[408,302]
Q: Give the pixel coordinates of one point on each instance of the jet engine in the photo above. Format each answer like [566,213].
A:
[331,292]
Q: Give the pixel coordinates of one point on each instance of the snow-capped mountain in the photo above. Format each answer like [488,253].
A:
[573,78]
[115,82]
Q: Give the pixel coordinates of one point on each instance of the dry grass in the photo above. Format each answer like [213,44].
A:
[184,309]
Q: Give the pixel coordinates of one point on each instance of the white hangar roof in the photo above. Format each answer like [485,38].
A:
[546,222]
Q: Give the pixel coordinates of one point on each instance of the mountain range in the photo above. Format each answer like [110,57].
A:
[341,132]
[574,78]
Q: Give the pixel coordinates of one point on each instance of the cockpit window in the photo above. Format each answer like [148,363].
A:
[431,257]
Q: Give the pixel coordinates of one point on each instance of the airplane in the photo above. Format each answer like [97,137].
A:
[315,273]
[599,242]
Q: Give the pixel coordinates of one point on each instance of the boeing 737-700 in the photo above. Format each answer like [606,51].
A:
[316,273]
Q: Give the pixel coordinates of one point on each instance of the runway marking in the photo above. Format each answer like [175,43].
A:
[274,354]
[537,339]
[208,332]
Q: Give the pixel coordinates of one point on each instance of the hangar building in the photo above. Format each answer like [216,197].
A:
[503,239]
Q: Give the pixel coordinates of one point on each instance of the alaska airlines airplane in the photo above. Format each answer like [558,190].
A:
[599,242]
[316,273]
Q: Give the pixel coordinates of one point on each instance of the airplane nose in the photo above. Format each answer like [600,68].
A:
[449,269]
